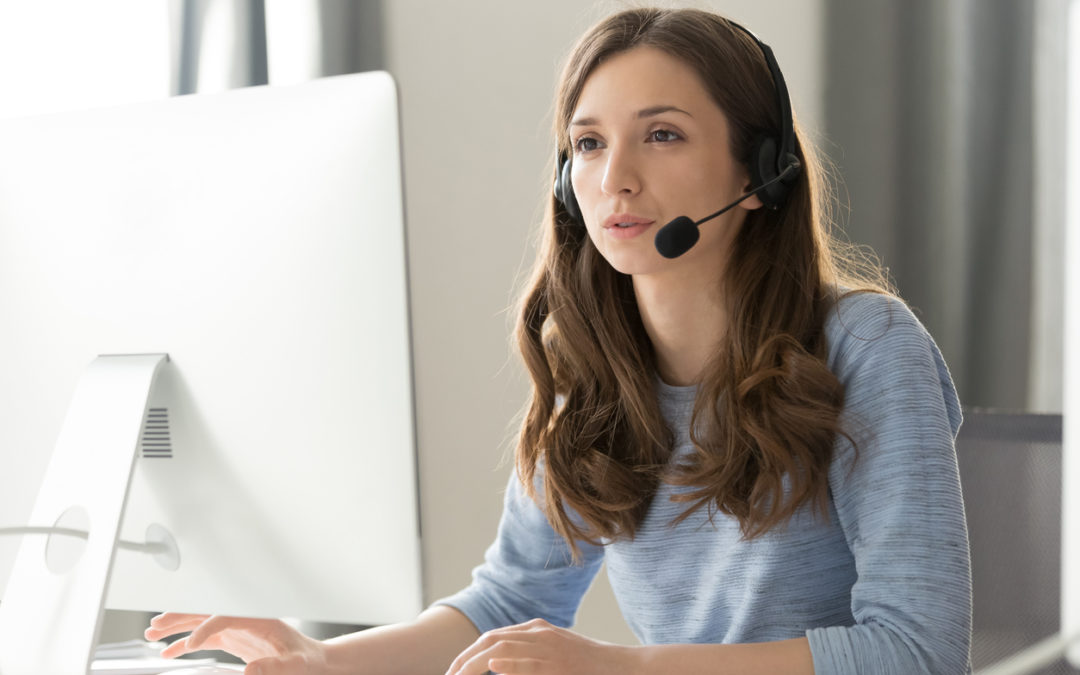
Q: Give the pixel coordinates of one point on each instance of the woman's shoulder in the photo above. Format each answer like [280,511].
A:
[876,342]
[870,333]
[866,319]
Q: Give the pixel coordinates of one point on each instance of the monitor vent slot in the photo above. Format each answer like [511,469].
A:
[156,441]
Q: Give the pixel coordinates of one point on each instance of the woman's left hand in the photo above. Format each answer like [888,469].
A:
[539,648]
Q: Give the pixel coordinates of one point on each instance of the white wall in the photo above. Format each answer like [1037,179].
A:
[476,80]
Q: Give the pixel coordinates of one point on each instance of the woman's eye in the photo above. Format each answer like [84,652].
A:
[585,144]
[663,136]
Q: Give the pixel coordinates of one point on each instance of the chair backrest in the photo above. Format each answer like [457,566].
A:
[1010,472]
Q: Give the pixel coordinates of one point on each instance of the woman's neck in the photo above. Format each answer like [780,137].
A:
[685,320]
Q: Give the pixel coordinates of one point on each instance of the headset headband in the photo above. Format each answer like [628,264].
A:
[783,101]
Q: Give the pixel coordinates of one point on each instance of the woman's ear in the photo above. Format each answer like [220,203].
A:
[752,202]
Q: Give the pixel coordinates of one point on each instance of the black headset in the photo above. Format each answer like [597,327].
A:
[773,163]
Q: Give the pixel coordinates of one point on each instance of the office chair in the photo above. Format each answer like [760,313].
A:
[1010,473]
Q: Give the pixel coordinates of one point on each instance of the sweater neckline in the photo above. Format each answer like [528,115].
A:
[676,393]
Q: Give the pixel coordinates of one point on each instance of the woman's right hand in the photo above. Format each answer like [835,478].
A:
[268,646]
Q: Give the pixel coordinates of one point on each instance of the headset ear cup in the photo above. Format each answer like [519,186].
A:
[763,168]
[564,192]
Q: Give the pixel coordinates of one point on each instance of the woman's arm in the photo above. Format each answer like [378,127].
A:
[791,657]
[528,572]
[539,648]
[898,501]
[427,645]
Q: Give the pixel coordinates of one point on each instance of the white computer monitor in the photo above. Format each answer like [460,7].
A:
[257,239]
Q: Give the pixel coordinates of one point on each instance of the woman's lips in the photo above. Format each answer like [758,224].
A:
[626,225]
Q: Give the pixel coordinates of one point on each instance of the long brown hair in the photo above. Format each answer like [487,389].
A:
[767,408]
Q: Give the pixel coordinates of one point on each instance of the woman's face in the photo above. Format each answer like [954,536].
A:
[649,145]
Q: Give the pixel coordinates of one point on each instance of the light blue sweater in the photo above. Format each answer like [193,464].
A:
[883,587]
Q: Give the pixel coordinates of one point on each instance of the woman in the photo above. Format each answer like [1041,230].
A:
[762,455]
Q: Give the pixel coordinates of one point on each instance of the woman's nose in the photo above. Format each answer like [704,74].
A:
[621,173]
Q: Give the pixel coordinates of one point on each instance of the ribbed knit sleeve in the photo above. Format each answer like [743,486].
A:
[898,500]
[527,572]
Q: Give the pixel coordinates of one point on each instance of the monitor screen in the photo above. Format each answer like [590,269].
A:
[257,238]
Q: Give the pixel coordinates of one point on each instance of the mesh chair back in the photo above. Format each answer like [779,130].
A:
[1010,472]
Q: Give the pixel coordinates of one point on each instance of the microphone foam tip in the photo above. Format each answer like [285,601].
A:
[677,237]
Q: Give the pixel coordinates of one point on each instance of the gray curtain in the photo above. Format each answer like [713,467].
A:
[246,64]
[929,113]
[350,40]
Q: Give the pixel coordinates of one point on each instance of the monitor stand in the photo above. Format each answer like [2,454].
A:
[51,612]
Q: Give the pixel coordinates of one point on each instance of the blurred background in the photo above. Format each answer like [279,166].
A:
[944,119]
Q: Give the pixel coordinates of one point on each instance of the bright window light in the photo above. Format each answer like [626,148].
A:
[292,41]
[58,55]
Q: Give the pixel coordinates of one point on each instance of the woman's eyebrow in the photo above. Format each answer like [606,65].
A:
[657,109]
[641,114]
